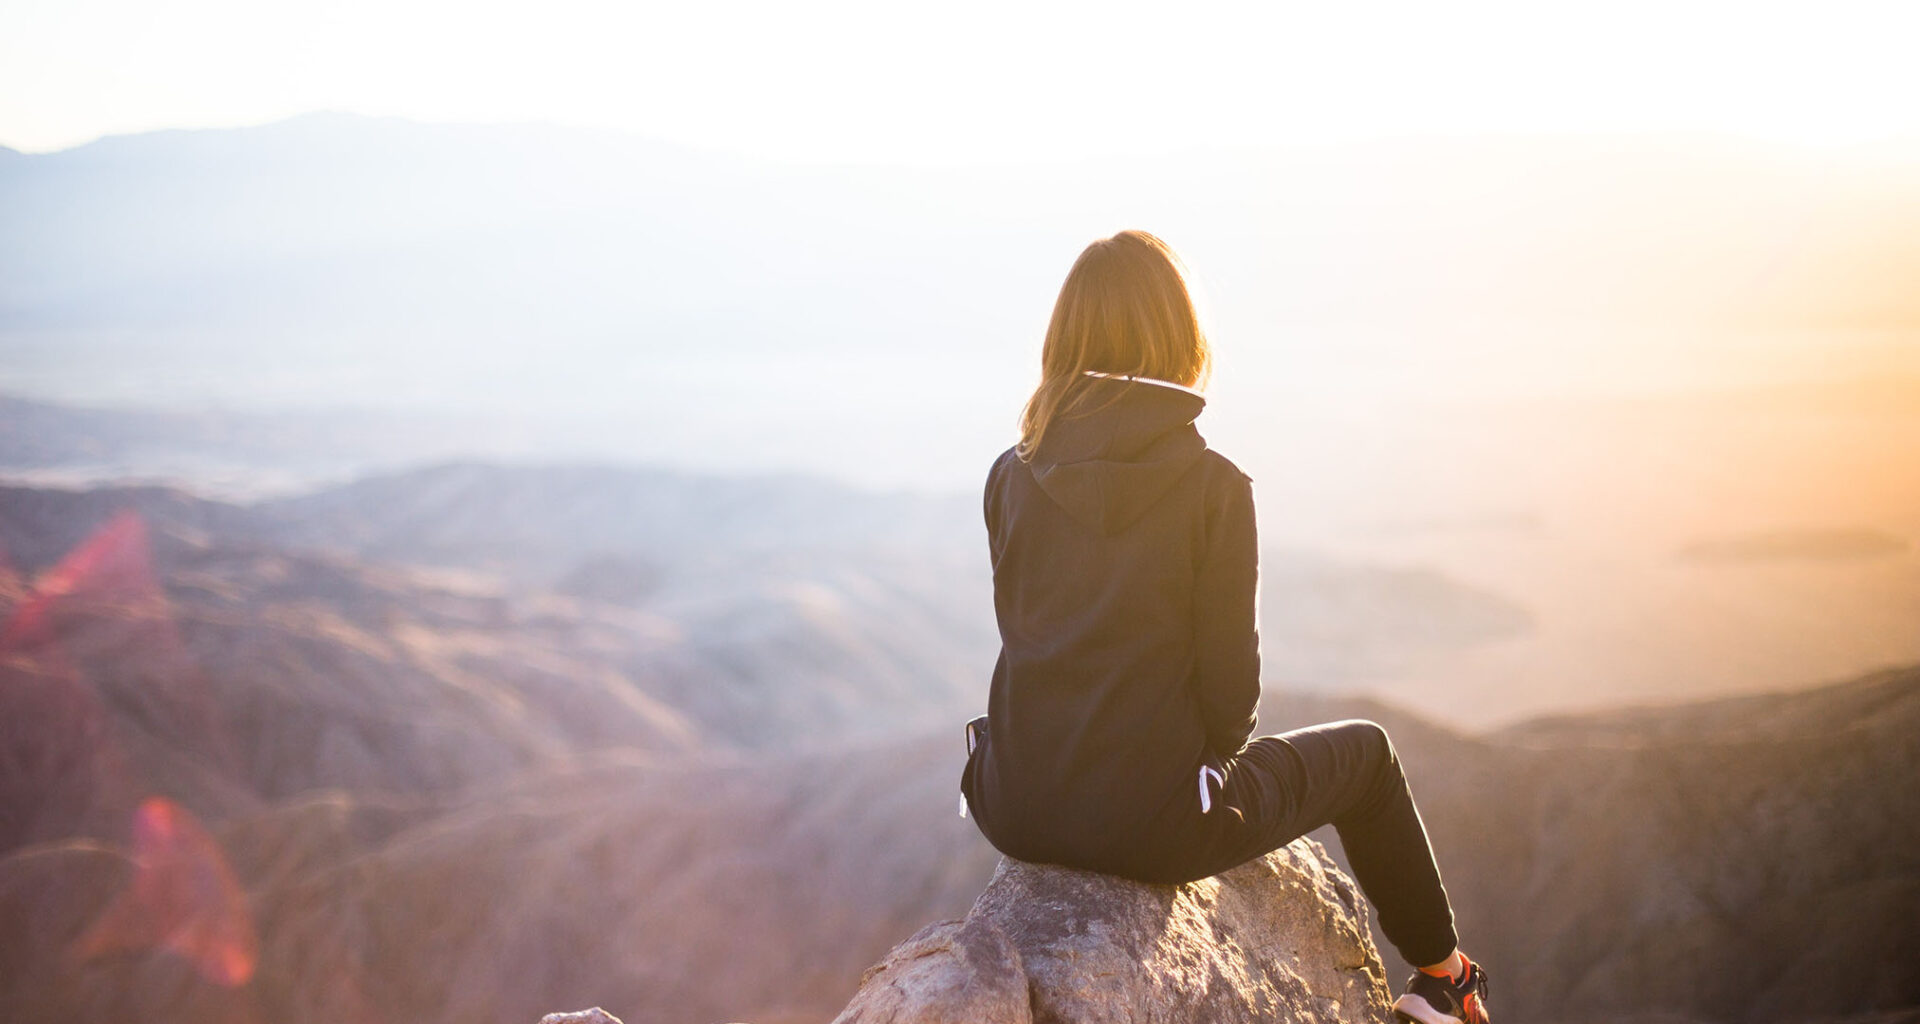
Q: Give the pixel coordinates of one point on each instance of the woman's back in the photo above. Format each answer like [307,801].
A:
[1126,581]
[1125,569]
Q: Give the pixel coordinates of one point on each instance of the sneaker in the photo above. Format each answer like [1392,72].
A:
[1431,1000]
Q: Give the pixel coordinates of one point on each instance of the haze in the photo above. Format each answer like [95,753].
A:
[1536,317]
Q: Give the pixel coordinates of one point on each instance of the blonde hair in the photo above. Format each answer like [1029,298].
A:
[1124,310]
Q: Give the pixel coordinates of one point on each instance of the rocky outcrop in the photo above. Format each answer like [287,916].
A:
[1280,938]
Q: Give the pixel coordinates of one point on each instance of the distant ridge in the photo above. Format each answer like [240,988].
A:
[384,208]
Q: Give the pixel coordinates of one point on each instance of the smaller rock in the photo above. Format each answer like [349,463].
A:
[593,1016]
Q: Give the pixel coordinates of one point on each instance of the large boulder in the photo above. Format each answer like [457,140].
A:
[1283,937]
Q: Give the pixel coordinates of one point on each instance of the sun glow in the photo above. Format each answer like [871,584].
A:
[860,80]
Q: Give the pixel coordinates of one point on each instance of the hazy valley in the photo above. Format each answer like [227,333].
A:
[450,785]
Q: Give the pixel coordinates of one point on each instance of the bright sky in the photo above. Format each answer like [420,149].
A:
[892,80]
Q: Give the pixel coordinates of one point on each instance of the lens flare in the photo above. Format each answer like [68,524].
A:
[183,898]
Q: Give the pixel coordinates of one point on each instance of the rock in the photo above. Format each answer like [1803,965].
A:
[1281,938]
[593,1016]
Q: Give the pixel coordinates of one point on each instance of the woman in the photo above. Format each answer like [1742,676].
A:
[1118,734]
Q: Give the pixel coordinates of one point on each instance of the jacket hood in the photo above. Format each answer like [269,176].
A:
[1108,467]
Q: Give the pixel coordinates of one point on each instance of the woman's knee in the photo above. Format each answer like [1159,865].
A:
[1373,738]
[1379,763]
[1378,754]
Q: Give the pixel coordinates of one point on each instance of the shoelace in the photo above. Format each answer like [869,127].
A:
[1479,988]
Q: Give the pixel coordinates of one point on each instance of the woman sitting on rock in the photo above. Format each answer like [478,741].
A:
[1119,729]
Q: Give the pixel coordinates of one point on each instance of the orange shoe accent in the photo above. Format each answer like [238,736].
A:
[1466,967]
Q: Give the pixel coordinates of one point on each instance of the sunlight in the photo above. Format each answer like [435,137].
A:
[866,81]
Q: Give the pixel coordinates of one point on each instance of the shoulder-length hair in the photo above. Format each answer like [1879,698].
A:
[1125,310]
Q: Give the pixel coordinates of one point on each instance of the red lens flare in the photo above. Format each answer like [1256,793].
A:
[112,564]
[183,898]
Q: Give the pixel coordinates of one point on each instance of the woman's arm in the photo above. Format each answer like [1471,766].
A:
[1226,629]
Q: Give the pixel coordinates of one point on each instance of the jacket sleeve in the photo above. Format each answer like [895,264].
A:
[990,502]
[1226,611]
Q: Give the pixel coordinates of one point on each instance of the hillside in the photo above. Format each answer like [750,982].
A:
[248,777]
[881,598]
[712,602]
[1749,859]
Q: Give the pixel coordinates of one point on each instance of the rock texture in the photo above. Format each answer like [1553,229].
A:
[1280,938]
[593,1016]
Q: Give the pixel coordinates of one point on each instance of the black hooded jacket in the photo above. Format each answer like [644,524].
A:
[1125,571]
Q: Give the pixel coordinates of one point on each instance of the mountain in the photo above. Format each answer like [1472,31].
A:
[528,521]
[191,632]
[244,779]
[759,889]
[332,741]
[1751,858]
[878,600]
[688,889]
[239,455]
[350,218]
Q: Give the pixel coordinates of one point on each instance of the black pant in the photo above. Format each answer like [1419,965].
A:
[1345,774]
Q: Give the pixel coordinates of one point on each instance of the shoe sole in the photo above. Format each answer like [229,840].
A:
[1411,1009]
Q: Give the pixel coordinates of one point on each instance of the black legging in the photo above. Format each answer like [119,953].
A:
[1346,774]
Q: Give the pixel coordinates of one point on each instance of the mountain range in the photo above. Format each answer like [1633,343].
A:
[437,784]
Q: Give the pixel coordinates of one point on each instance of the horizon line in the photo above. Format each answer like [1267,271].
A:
[1901,146]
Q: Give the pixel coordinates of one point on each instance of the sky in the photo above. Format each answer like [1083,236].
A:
[850,80]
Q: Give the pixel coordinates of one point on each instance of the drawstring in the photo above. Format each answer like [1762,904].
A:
[976,731]
[1206,798]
